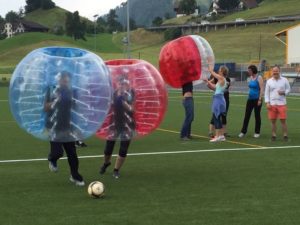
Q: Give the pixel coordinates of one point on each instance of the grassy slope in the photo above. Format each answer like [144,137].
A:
[242,44]
[268,8]
[48,18]
[14,49]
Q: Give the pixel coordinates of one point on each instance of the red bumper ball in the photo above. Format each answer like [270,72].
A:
[139,100]
[185,59]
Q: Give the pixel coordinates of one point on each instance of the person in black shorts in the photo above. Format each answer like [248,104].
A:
[226,96]
[58,105]
[122,125]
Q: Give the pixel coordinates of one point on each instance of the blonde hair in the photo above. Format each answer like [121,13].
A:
[224,70]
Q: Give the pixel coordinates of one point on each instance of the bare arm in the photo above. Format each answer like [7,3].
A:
[220,78]
[261,87]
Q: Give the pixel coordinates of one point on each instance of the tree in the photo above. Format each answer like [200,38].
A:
[74,27]
[101,24]
[21,12]
[12,17]
[112,23]
[79,28]
[187,6]
[132,25]
[229,4]
[32,5]
[47,4]
[172,33]
[167,16]
[2,22]
[157,21]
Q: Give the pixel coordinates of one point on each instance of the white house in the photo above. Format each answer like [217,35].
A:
[11,29]
[290,37]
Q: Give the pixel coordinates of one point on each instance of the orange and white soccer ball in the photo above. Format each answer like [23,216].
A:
[96,189]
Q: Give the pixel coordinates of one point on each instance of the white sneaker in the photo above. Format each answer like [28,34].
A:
[241,135]
[53,167]
[222,138]
[256,135]
[215,139]
[77,182]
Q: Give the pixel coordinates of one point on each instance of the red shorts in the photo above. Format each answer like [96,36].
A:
[277,112]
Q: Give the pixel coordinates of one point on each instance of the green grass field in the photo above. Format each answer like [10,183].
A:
[238,182]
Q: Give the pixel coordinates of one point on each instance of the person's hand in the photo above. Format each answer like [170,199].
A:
[269,106]
[47,106]
[259,102]
[210,68]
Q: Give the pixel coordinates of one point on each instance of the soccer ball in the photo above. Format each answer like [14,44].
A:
[96,189]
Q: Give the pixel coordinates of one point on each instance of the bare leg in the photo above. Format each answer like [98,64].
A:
[274,128]
[284,127]
[219,132]
[119,162]
[224,129]
[211,129]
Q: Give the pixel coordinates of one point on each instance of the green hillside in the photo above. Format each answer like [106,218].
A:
[48,18]
[51,17]
[235,44]
[268,8]
[14,49]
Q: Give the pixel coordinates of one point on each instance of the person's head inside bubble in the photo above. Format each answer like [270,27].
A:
[123,84]
[63,79]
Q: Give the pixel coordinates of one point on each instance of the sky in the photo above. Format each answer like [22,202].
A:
[86,8]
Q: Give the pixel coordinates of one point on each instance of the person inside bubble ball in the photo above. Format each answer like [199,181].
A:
[122,125]
[188,104]
[58,105]
[218,104]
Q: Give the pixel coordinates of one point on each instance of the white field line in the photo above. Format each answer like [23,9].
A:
[160,153]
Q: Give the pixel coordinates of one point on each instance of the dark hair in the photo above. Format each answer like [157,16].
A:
[64,74]
[253,68]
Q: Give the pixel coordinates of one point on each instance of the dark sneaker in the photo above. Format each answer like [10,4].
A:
[104,167]
[285,138]
[116,174]
[273,138]
[80,144]
[77,182]
[53,166]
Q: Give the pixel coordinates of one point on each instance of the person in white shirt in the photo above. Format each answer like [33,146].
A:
[277,88]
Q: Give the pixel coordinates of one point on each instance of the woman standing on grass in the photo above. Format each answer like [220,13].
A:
[218,104]
[213,80]
[256,91]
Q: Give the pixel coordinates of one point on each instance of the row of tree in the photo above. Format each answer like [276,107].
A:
[32,5]
[110,23]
